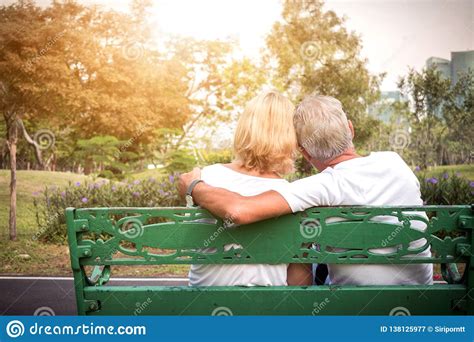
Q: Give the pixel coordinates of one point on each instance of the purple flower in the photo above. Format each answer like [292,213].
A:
[471,184]
[63,194]
[96,185]
[136,193]
[77,183]
[445,175]
[114,188]
[84,200]
[35,194]
[432,180]
[171,178]
[417,169]
[136,182]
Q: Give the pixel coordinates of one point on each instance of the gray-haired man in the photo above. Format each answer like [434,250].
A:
[325,137]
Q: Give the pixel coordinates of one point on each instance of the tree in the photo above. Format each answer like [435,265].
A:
[440,116]
[90,72]
[314,52]
[35,78]
[459,116]
[218,83]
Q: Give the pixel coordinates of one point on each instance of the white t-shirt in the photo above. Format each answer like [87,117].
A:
[238,275]
[382,178]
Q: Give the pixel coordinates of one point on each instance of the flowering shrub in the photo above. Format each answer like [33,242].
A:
[52,202]
[446,189]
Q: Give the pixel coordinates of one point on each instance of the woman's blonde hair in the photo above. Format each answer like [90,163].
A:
[265,139]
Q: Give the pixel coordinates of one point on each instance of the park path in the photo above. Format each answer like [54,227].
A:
[55,295]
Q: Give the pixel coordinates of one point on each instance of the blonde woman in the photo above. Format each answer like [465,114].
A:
[264,148]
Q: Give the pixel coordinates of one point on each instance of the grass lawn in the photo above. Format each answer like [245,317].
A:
[155,173]
[28,182]
[27,256]
[467,171]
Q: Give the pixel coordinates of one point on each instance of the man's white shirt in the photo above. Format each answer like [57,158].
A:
[379,179]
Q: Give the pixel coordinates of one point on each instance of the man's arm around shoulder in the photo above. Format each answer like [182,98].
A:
[233,206]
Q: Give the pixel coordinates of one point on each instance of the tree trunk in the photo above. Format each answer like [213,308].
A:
[12,142]
[32,142]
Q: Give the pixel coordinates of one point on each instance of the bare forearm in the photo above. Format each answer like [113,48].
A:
[218,201]
[237,208]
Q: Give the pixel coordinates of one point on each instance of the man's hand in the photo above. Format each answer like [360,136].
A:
[185,180]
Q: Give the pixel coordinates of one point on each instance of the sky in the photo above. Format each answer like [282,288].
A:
[395,34]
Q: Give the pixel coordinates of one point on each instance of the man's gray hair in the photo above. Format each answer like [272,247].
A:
[321,127]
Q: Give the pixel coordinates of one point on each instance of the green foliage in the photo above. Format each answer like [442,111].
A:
[440,116]
[181,160]
[446,189]
[52,202]
[216,157]
[315,52]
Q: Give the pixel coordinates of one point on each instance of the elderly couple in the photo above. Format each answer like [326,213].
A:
[251,188]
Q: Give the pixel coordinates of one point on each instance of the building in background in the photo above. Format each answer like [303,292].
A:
[382,109]
[460,62]
[443,65]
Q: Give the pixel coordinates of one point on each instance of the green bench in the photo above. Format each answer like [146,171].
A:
[100,238]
